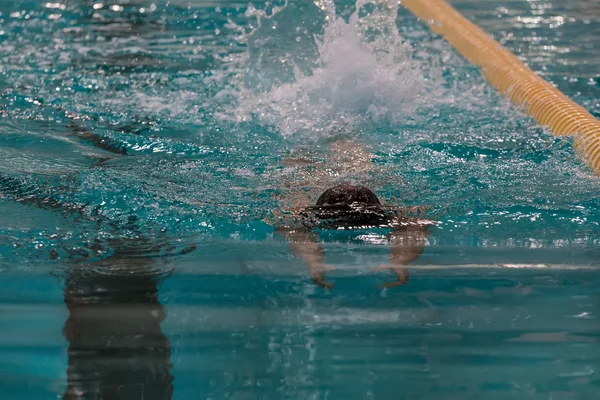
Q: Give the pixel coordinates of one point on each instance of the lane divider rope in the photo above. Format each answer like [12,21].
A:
[510,76]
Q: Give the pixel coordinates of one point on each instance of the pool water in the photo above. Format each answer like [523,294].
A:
[142,154]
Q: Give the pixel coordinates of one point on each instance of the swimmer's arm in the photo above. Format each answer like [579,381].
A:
[306,246]
[406,246]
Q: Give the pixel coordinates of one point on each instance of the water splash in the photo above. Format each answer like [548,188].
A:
[364,71]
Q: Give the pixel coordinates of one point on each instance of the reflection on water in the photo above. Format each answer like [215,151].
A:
[117,349]
[448,335]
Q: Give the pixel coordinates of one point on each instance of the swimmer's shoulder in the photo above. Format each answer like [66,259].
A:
[410,218]
[412,224]
[285,220]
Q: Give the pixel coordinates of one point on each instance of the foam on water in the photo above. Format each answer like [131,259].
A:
[364,71]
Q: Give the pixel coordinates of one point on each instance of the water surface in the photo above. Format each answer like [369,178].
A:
[141,150]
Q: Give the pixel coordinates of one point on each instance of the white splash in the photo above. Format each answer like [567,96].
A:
[364,72]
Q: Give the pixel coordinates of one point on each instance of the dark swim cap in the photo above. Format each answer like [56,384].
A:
[346,207]
[346,195]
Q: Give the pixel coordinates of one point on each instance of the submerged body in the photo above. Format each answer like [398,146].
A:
[345,206]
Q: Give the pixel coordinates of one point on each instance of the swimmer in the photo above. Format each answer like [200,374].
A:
[346,206]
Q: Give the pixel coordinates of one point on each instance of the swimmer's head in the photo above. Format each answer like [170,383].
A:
[351,207]
[345,206]
[347,195]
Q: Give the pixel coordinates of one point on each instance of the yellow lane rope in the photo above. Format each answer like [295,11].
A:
[548,105]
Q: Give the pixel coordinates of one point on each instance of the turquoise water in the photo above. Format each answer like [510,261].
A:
[142,149]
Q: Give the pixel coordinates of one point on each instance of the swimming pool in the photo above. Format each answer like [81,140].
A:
[150,139]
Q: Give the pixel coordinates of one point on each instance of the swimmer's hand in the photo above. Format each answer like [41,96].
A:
[320,280]
[400,271]
[407,245]
[306,246]
[317,273]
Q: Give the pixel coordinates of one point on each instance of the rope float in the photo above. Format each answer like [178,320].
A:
[548,105]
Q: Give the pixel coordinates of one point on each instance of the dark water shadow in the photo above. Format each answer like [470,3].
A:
[117,349]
